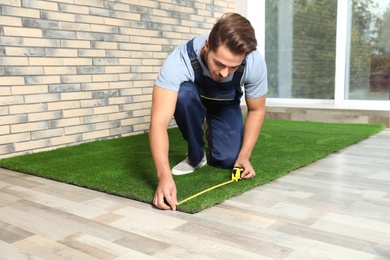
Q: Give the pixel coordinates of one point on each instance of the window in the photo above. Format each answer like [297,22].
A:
[303,37]
[300,48]
[369,52]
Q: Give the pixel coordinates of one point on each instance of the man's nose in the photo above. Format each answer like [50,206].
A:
[224,72]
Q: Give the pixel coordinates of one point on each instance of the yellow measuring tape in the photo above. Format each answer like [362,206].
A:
[236,176]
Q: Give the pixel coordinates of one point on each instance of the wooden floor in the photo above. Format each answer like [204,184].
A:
[335,208]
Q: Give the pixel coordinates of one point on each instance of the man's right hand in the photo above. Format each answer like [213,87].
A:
[165,193]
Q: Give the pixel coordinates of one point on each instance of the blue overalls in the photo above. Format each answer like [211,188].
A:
[219,102]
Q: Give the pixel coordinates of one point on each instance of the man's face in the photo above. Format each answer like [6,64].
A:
[222,62]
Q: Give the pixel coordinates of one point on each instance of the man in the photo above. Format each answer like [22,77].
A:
[202,79]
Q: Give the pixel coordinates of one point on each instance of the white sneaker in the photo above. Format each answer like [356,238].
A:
[184,167]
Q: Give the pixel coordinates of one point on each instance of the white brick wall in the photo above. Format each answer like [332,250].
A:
[78,71]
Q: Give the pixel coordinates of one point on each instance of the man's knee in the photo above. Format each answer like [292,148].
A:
[223,160]
[188,95]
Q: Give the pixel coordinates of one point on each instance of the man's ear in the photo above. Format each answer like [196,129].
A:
[206,44]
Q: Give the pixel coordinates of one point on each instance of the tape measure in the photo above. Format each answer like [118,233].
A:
[236,176]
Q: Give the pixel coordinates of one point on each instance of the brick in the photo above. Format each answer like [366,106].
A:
[105,77]
[130,46]
[60,53]
[75,9]
[76,95]
[131,76]
[116,38]
[44,116]
[76,79]
[77,62]
[11,2]
[5,91]
[107,125]
[120,100]
[35,42]
[10,21]
[41,98]
[115,53]
[90,36]
[104,28]
[77,112]
[129,16]
[21,71]
[101,12]
[37,23]
[105,61]
[94,102]
[105,110]
[36,4]
[72,26]
[23,32]
[64,122]
[141,98]
[116,22]
[7,150]
[56,16]
[92,53]
[11,41]
[28,127]
[117,6]
[59,70]
[71,130]
[121,131]
[26,90]
[25,146]
[119,115]
[35,61]
[94,86]
[105,94]
[105,45]
[69,139]
[90,69]
[4,129]
[117,69]
[6,81]
[95,135]
[141,127]
[123,61]
[58,34]
[75,44]
[17,11]
[31,108]
[130,91]
[64,87]
[48,133]
[14,138]
[42,79]
[63,105]
[14,61]
[13,119]
[131,121]
[94,119]
[89,19]
[20,51]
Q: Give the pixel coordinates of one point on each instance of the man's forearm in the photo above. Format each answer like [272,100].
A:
[159,146]
[252,128]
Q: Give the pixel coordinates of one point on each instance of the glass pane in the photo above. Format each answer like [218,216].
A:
[300,48]
[369,61]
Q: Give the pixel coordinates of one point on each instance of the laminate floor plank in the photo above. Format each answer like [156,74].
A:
[335,208]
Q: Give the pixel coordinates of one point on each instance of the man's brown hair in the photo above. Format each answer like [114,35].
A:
[236,32]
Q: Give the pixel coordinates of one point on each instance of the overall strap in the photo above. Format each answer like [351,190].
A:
[192,55]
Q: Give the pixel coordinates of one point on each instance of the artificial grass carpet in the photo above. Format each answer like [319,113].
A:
[124,166]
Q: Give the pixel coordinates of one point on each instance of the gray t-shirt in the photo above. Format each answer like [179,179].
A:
[177,69]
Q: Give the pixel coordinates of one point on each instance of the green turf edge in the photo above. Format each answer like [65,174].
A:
[204,201]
